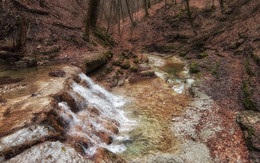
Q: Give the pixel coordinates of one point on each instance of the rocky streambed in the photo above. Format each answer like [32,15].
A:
[59,114]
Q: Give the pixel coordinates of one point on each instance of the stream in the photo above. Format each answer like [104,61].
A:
[151,120]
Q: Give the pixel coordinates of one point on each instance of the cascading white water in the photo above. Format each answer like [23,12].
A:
[85,124]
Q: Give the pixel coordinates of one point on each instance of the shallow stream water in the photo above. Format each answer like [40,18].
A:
[144,112]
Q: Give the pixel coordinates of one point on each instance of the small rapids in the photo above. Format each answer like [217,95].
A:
[99,123]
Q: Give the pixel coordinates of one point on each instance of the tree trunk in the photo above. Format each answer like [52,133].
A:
[145,7]
[221,2]
[91,19]
[20,43]
[130,15]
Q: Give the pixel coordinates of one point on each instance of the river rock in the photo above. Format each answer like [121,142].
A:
[148,73]
[250,124]
[97,61]
[105,137]
[57,73]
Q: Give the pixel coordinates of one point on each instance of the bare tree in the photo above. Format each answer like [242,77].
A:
[129,12]
[146,7]
[91,18]
[221,2]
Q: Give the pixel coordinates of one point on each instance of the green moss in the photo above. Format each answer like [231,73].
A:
[125,65]
[248,68]
[182,53]
[120,71]
[104,39]
[255,58]
[202,55]
[136,60]
[93,42]
[209,69]
[134,68]
[108,54]
[108,70]
[117,63]
[125,55]
[247,101]
[198,75]
[216,71]
[99,60]
[186,57]
[173,69]
[194,68]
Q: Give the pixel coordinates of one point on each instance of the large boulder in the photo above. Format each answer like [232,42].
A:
[97,61]
[250,124]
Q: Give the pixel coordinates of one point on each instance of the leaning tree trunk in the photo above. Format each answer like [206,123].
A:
[91,19]
[129,12]
[145,7]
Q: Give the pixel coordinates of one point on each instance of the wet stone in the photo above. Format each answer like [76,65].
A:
[148,73]
[9,80]
[57,73]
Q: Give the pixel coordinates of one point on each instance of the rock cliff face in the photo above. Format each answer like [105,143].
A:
[29,111]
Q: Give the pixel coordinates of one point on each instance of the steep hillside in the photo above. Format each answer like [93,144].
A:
[50,29]
[222,47]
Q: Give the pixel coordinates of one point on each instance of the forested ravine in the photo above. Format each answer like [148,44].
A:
[163,119]
[130,81]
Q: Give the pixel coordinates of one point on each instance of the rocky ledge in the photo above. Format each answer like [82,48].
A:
[34,122]
[250,124]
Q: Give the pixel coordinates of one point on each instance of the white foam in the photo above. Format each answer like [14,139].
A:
[179,88]
[86,124]
[24,135]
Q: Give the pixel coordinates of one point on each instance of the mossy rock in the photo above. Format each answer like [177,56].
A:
[247,100]
[182,53]
[250,122]
[117,63]
[134,68]
[202,55]
[248,68]
[103,38]
[194,68]
[256,58]
[125,65]
[125,55]
[136,60]
[148,73]
[120,71]
[99,60]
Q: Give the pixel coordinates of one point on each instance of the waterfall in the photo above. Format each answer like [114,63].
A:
[100,117]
